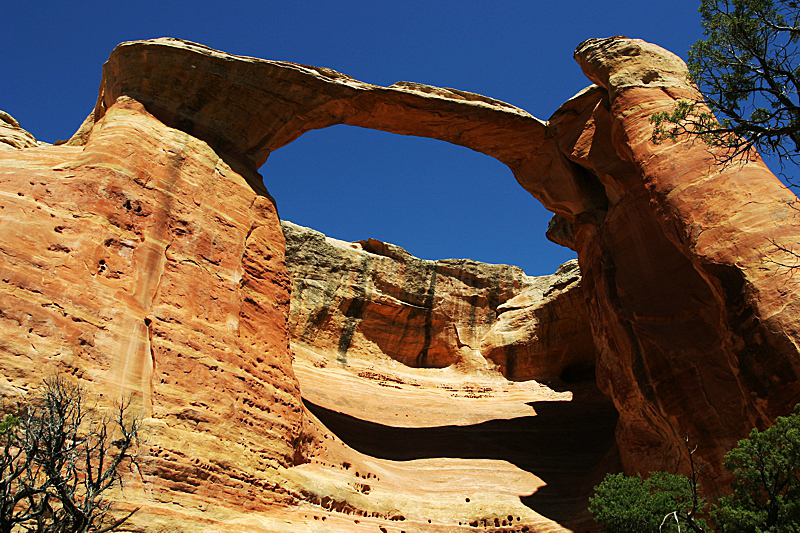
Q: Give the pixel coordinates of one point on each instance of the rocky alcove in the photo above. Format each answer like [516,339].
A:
[453,363]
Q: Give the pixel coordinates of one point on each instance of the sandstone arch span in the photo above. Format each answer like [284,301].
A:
[396,187]
[247,108]
[695,321]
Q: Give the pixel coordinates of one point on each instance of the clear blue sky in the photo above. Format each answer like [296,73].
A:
[436,200]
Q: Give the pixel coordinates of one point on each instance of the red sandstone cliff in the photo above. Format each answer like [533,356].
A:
[405,359]
[695,319]
[146,257]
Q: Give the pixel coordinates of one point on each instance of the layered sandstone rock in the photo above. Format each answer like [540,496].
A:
[12,135]
[642,214]
[443,430]
[149,271]
[695,318]
[201,91]
[374,299]
[146,257]
[143,264]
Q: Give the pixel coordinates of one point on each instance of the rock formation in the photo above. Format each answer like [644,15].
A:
[406,359]
[142,263]
[377,300]
[145,257]
[12,135]
[694,316]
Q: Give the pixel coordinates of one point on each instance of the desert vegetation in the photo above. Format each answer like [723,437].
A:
[58,458]
[764,496]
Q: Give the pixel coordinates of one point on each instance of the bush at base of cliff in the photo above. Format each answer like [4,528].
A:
[631,504]
[765,494]
[766,490]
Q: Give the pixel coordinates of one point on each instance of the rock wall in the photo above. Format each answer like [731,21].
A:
[374,299]
[12,135]
[143,264]
[695,319]
[516,453]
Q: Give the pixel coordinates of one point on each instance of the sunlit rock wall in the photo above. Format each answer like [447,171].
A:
[372,299]
[143,264]
[146,258]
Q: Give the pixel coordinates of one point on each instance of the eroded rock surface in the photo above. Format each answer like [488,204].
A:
[469,411]
[12,135]
[695,319]
[199,90]
[146,257]
[142,263]
[374,299]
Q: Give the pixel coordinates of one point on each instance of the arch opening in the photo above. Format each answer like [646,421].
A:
[433,198]
[389,349]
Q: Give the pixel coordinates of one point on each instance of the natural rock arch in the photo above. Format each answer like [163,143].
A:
[689,321]
[284,100]
[695,321]
[435,198]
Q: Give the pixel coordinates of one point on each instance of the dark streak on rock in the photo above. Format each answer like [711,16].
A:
[422,357]
[511,360]
[354,311]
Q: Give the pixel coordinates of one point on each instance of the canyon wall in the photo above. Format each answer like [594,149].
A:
[693,313]
[377,300]
[442,366]
[145,257]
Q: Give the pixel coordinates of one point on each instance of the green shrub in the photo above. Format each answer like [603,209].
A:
[764,497]
[766,490]
[631,504]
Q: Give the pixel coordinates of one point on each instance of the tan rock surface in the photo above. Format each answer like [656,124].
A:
[199,90]
[149,289]
[376,300]
[454,442]
[695,320]
[142,263]
[12,135]
[543,333]
[455,448]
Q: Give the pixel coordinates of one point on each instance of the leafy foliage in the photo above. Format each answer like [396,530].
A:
[9,423]
[765,495]
[631,504]
[661,503]
[747,69]
[57,459]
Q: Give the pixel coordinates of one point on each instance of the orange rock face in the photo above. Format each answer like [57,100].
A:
[143,264]
[12,135]
[485,406]
[145,257]
[694,317]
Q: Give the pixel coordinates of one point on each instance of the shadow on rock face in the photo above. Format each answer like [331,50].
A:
[566,444]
